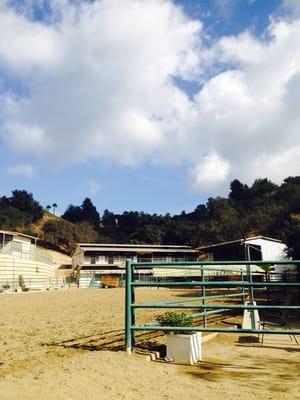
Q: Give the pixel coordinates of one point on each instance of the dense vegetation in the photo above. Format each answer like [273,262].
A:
[19,210]
[263,208]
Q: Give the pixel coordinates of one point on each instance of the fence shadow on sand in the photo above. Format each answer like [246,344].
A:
[113,340]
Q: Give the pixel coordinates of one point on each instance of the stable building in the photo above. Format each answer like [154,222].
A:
[92,261]
[258,248]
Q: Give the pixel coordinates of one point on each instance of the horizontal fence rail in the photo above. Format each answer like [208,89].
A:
[216,284]
[246,286]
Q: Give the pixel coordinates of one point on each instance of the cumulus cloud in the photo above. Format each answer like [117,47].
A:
[25,170]
[211,171]
[98,82]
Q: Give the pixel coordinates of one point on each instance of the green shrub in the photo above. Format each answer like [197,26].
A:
[6,286]
[176,319]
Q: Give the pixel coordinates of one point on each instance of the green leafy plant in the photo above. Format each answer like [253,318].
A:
[182,320]
[6,286]
[266,267]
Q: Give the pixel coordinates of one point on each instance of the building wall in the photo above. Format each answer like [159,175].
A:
[36,275]
[120,260]
[273,251]
[17,246]
[22,248]
[270,250]
[78,258]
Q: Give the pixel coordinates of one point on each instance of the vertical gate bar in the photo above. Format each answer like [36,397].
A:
[251,298]
[203,298]
[128,315]
[250,287]
[243,288]
[132,309]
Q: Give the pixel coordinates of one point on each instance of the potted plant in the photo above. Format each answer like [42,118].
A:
[182,346]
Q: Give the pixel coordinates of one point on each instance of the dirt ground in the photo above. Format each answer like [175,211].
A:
[66,345]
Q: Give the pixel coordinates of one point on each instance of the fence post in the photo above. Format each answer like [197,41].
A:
[128,308]
[243,288]
[249,273]
[203,298]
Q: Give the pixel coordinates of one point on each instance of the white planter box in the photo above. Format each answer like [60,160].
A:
[247,319]
[184,347]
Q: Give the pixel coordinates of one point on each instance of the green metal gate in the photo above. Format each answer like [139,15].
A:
[246,285]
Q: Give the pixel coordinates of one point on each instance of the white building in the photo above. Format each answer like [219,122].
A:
[93,260]
[21,259]
[258,248]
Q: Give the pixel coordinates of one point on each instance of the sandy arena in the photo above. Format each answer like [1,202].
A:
[64,345]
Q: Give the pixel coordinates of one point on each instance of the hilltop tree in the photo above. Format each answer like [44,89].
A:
[289,192]
[90,213]
[238,191]
[261,187]
[86,212]
[54,205]
[73,214]
[24,201]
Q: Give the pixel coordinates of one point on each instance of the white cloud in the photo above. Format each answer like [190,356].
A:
[25,170]
[94,188]
[99,84]
[211,171]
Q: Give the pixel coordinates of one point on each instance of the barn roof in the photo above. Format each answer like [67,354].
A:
[241,241]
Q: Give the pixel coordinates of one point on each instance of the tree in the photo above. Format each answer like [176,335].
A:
[289,192]
[294,180]
[90,213]
[86,233]
[238,191]
[261,187]
[61,234]
[150,234]
[293,241]
[86,212]
[48,208]
[73,214]
[24,201]
[12,218]
[54,205]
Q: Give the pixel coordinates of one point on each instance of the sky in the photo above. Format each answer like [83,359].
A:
[148,105]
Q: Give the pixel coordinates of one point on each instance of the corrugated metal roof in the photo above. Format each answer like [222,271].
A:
[141,250]
[134,246]
[17,234]
[239,241]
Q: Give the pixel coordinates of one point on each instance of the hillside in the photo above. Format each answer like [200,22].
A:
[262,208]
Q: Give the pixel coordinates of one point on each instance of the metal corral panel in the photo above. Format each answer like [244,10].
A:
[209,270]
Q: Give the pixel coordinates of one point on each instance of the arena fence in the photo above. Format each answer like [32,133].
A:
[246,280]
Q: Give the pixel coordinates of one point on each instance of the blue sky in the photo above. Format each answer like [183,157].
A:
[151,107]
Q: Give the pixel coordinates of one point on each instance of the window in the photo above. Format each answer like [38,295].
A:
[110,259]
[93,260]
